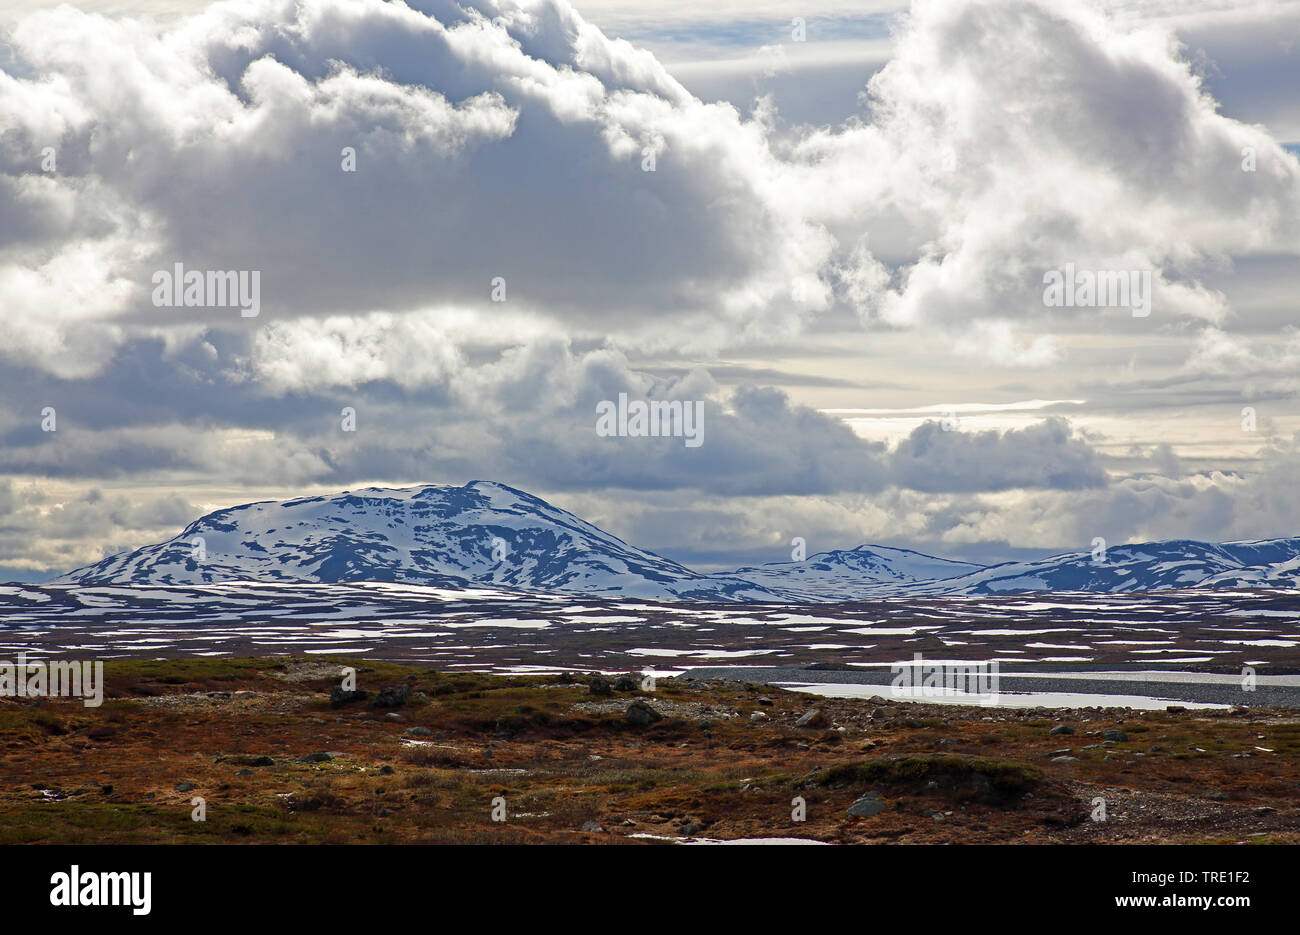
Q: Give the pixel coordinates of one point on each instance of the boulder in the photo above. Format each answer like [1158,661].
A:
[318,757]
[246,760]
[867,806]
[813,718]
[639,714]
[341,696]
[393,697]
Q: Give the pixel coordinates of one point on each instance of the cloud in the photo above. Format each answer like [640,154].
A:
[1044,455]
[42,530]
[1004,138]
[527,416]
[997,341]
[1007,138]
[491,141]
[1217,352]
[986,527]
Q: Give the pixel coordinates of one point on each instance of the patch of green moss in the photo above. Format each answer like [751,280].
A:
[181,671]
[982,776]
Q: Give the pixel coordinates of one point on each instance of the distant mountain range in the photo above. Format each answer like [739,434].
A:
[1150,566]
[486,534]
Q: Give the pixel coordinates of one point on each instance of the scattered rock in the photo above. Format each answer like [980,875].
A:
[393,697]
[1065,759]
[341,696]
[599,685]
[417,732]
[625,683]
[246,760]
[758,716]
[1115,734]
[813,718]
[592,827]
[639,714]
[394,716]
[867,806]
[386,770]
[320,756]
[1061,729]
[184,786]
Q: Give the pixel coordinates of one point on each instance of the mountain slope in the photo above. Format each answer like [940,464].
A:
[479,534]
[850,574]
[1152,566]
[489,535]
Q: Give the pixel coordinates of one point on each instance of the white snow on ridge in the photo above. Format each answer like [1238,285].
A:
[486,540]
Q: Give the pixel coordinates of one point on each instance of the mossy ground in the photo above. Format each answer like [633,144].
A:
[560,757]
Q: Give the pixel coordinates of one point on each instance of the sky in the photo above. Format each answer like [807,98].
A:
[831,223]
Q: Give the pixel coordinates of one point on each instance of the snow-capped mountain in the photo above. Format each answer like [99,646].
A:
[489,535]
[481,534]
[1152,566]
[850,574]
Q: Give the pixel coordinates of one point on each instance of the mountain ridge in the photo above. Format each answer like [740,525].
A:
[486,533]
[481,533]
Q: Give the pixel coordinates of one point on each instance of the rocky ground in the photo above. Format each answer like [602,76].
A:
[439,757]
